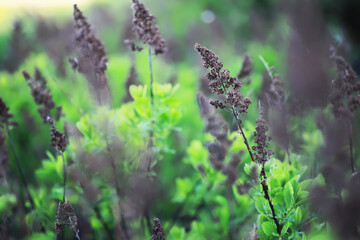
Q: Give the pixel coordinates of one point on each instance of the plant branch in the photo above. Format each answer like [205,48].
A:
[64,175]
[18,165]
[240,128]
[65,94]
[262,174]
[351,147]
[123,226]
[102,220]
[151,77]
[267,196]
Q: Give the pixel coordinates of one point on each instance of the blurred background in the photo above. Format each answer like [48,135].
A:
[296,37]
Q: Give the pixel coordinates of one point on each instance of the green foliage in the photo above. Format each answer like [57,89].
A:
[110,147]
[289,197]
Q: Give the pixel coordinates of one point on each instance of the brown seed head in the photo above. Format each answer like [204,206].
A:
[58,139]
[5,115]
[146,29]
[262,154]
[221,82]
[345,98]
[91,57]
[40,93]
[158,230]
[65,216]
[247,67]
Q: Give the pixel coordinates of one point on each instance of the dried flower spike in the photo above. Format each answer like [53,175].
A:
[158,230]
[262,154]
[19,48]
[65,216]
[346,90]
[221,83]
[5,115]
[247,67]
[146,29]
[131,80]
[91,57]
[40,93]
[216,125]
[4,160]
[345,98]
[132,45]
[58,139]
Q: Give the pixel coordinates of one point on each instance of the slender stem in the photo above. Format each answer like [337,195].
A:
[122,227]
[151,135]
[18,165]
[102,220]
[64,173]
[243,134]
[267,196]
[148,221]
[351,148]
[175,216]
[263,174]
[151,77]
[230,198]
[240,128]
[65,94]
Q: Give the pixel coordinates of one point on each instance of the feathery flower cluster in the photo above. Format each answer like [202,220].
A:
[131,80]
[132,45]
[146,29]
[247,67]
[4,160]
[222,83]
[91,56]
[65,216]
[345,91]
[5,115]
[41,95]
[57,41]
[277,87]
[58,139]
[4,121]
[19,48]
[216,125]
[262,154]
[158,230]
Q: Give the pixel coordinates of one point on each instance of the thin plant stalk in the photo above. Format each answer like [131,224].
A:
[263,174]
[65,94]
[64,174]
[18,165]
[151,77]
[351,147]
[102,220]
[240,128]
[122,227]
[151,134]
[267,196]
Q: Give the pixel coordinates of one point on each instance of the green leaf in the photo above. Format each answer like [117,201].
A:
[289,195]
[304,185]
[247,169]
[285,228]
[274,183]
[261,234]
[6,202]
[260,204]
[269,228]
[304,236]
[298,216]
[319,180]
[300,203]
